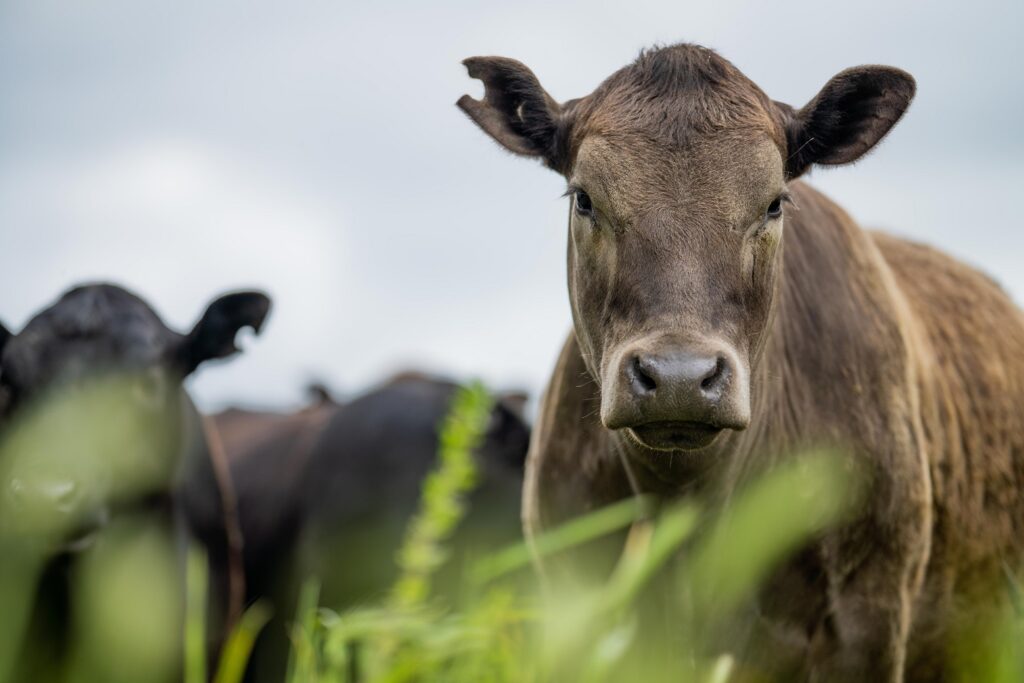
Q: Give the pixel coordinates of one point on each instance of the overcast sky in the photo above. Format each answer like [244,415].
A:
[314,150]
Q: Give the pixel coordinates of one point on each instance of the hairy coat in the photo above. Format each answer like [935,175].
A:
[709,341]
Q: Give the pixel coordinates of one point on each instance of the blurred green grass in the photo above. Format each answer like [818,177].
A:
[137,619]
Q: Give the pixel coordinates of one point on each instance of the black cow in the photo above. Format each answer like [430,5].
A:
[96,381]
[327,492]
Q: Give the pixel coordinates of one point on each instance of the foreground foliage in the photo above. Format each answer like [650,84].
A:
[706,565]
[663,614]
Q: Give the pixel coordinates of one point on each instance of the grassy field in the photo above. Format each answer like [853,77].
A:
[664,613]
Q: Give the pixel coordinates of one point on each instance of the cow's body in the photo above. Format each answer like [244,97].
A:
[896,352]
[726,315]
[328,492]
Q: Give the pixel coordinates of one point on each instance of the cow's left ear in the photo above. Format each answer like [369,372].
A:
[214,334]
[850,115]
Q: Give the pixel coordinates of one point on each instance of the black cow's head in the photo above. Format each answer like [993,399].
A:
[92,404]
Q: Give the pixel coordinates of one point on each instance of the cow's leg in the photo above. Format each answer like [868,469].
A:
[865,636]
[875,570]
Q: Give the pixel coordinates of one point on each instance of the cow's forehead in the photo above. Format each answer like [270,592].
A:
[98,312]
[675,94]
[89,328]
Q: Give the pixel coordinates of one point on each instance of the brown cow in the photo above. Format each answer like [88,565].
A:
[713,340]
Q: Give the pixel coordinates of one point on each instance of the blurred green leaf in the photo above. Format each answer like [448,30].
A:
[238,647]
[576,532]
[196,582]
[765,522]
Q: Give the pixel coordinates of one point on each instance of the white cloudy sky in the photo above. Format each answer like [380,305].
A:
[313,149]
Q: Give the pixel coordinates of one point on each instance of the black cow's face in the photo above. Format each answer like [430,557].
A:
[92,403]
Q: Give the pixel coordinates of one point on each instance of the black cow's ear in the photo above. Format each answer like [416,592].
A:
[516,111]
[850,115]
[515,402]
[508,432]
[214,334]
[5,336]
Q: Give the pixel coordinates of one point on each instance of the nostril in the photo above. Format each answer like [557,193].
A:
[716,376]
[641,376]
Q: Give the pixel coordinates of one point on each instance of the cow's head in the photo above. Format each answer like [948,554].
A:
[677,170]
[91,399]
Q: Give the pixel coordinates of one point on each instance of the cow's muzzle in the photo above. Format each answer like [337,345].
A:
[676,397]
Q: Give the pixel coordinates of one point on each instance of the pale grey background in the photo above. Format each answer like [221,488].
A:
[313,149]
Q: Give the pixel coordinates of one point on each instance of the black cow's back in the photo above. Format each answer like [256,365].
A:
[331,497]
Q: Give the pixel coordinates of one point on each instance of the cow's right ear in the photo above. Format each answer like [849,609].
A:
[516,111]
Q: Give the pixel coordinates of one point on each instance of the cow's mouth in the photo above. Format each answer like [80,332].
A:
[85,534]
[675,436]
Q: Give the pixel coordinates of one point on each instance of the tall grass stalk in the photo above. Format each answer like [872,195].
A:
[196,588]
[236,651]
[442,504]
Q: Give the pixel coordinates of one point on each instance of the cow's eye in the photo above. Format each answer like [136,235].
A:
[582,203]
[775,208]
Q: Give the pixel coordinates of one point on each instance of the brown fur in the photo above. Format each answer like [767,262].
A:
[900,356]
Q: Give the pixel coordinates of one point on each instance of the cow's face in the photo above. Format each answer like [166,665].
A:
[92,403]
[677,168]
[671,278]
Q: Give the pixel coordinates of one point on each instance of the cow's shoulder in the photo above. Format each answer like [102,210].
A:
[572,468]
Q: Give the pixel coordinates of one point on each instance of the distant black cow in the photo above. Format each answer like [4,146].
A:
[137,452]
[328,492]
